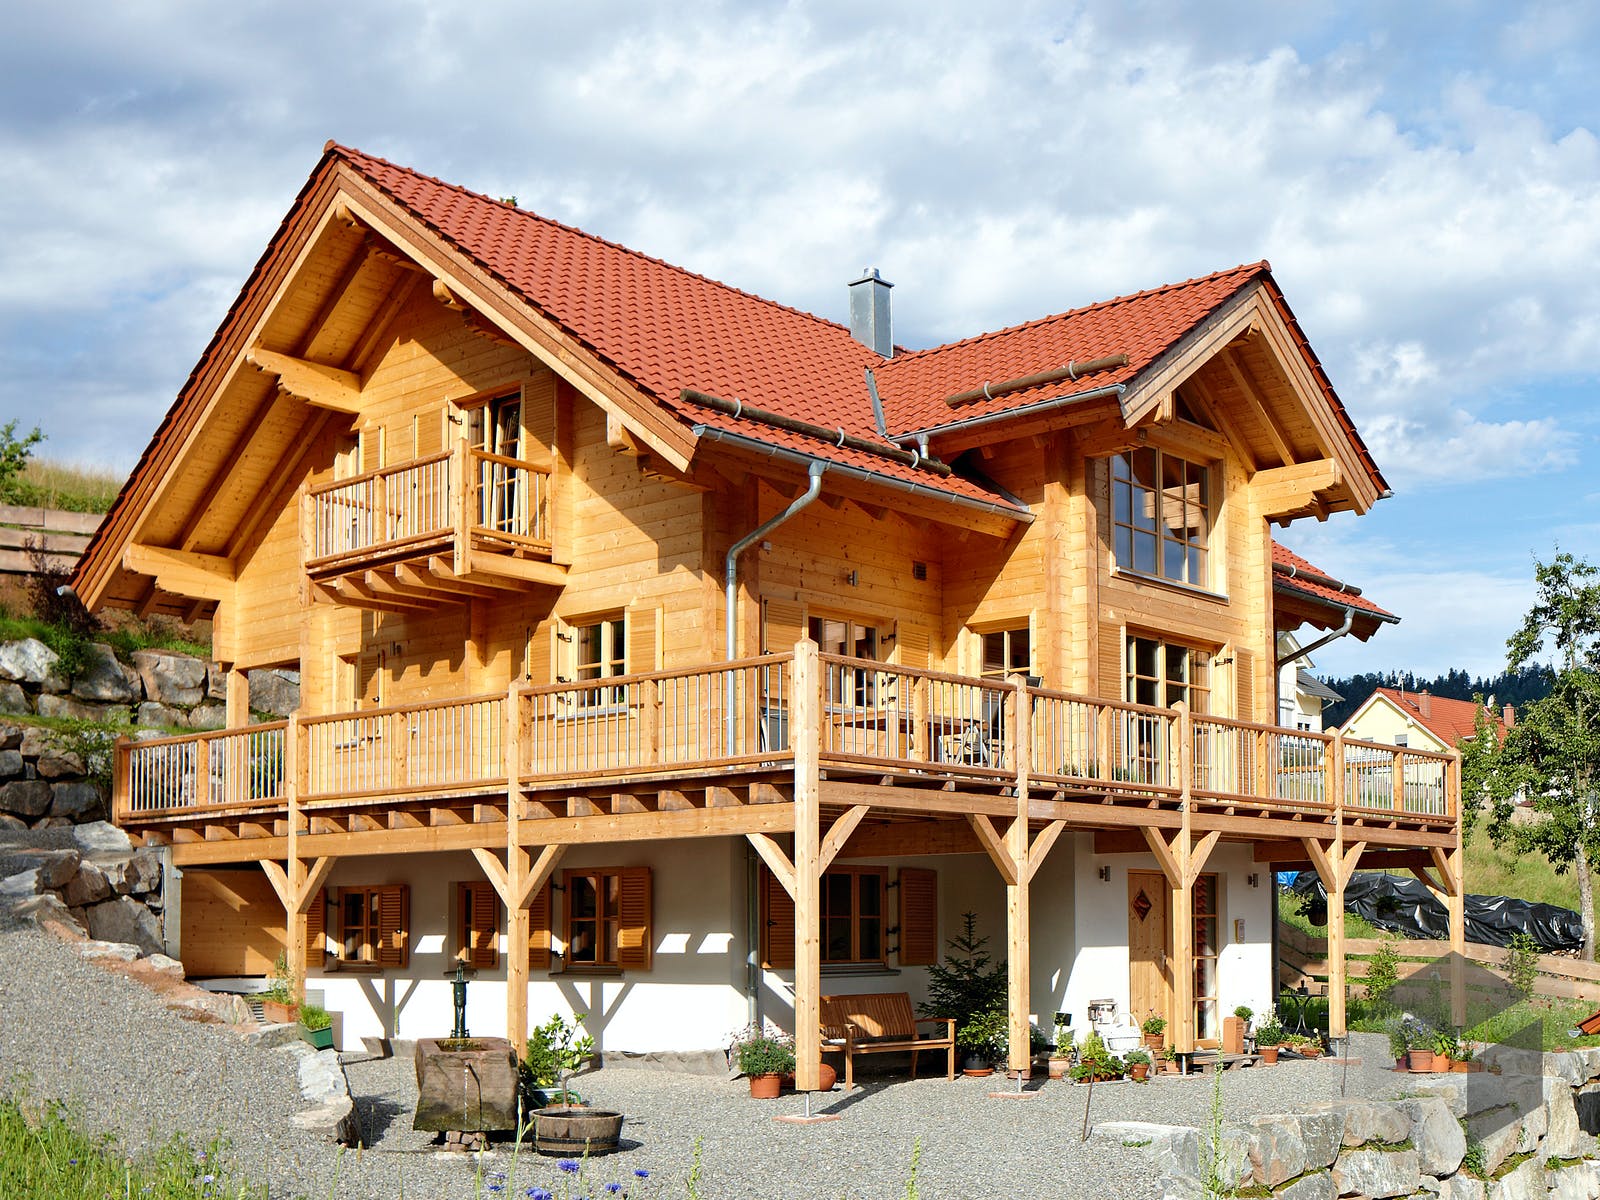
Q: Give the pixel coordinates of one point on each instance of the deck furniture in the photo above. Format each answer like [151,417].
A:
[880,1022]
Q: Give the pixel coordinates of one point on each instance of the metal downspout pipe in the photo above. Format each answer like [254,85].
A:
[730,574]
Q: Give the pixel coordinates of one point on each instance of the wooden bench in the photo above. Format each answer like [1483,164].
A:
[877,1023]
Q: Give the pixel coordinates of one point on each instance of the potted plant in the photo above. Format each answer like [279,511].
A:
[1153,1029]
[983,1039]
[1169,1061]
[965,985]
[1269,1036]
[1061,1060]
[277,1002]
[1419,1044]
[1244,1012]
[569,1127]
[1095,1061]
[1138,1064]
[553,1051]
[316,1026]
[1445,1050]
[1397,1043]
[764,1058]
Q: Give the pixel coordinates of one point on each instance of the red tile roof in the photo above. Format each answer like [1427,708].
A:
[1448,720]
[1299,583]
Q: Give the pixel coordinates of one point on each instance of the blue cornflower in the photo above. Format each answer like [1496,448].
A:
[641,1173]
[72,1162]
[569,1165]
[613,1188]
[539,1193]
[497,1187]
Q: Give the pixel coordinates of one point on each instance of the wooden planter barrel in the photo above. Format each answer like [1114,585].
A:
[574,1132]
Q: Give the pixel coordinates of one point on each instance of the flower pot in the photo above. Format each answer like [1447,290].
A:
[279,1012]
[1154,1041]
[1311,1051]
[318,1039]
[1169,1066]
[1059,1067]
[1269,1054]
[765,1087]
[977,1072]
[1443,1062]
[575,1132]
[1139,1071]
[1419,1060]
[976,1060]
[1460,1068]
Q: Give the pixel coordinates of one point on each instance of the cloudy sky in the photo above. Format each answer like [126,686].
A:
[1424,178]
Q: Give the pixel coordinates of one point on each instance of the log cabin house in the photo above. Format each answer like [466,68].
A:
[674,656]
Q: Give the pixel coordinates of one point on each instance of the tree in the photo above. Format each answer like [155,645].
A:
[14,454]
[1551,756]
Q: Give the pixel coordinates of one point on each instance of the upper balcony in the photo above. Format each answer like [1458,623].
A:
[443,528]
[913,743]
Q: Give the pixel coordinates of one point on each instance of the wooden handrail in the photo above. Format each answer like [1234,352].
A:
[502,460]
[389,469]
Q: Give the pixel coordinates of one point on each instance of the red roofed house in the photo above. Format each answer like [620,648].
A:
[1416,719]
[676,657]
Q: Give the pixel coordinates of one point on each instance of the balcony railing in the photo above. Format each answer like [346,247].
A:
[417,504]
[721,719]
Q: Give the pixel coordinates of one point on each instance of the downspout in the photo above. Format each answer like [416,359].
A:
[1349,620]
[730,572]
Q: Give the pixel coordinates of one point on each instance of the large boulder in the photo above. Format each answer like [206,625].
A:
[30,661]
[1277,1153]
[125,920]
[25,797]
[102,842]
[1377,1173]
[139,875]
[207,716]
[1499,1129]
[1523,1182]
[88,886]
[274,691]
[1564,1138]
[11,764]
[216,682]
[80,710]
[160,716]
[1316,1186]
[101,677]
[77,800]
[1437,1135]
[13,699]
[171,678]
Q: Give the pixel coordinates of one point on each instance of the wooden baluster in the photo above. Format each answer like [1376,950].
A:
[202,772]
[920,720]
[650,714]
[1399,781]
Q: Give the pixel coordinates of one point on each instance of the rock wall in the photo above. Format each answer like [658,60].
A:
[1523,1133]
[91,881]
[159,688]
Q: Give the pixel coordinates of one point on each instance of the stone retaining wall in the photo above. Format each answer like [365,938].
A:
[1526,1132]
[158,688]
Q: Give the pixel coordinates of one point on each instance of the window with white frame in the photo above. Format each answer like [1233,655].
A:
[1160,515]
[1007,652]
[595,649]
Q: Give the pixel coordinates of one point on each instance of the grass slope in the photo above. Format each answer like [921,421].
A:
[69,486]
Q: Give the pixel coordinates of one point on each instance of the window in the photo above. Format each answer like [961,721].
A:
[607,917]
[596,650]
[1163,673]
[847,639]
[477,924]
[852,915]
[1160,515]
[373,926]
[1007,652]
[1207,947]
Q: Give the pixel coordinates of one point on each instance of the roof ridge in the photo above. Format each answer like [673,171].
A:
[351,153]
[1259,267]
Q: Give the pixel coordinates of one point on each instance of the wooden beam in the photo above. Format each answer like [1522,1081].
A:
[805,715]
[279,879]
[182,572]
[495,872]
[839,833]
[433,581]
[994,846]
[1042,842]
[318,384]
[777,861]
[1442,862]
[314,879]
[1165,858]
[1257,405]
[539,874]
[502,566]
[1198,853]
[1280,490]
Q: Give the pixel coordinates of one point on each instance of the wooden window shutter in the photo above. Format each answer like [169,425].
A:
[1112,685]
[1244,685]
[394,920]
[642,642]
[370,444]
[541,656]
[480,922]
[777,923]
[429,427]
[539,930]
[539,420]
[634,941]
[782,624]
[912,646]
[919,917]
[316,931]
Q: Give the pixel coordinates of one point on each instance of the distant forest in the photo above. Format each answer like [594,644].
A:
[1515,688]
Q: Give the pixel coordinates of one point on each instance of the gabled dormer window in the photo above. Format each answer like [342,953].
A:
[1160,515]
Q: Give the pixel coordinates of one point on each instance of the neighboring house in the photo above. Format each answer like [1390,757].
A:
[675,657]
[1301,695]
[1418,720]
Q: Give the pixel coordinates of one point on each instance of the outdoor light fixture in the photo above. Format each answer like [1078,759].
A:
[1105,874]
[1253,880]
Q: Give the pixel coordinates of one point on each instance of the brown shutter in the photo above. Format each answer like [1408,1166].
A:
[371,444]
[634,941]
[782,624]
[777,923]
[642,625]
[430,432]
[394,919]
[1112,684]
[539,930]
[919,917]
[480,923]
[316,931]
[541,662]
[912,646]
[539,420]
[1244,685]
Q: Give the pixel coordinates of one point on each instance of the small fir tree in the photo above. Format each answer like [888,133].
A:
[968,983]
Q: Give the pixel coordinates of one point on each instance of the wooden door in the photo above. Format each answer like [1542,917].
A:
[1149,946]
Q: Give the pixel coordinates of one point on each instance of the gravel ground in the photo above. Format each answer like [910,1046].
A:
[135,1069]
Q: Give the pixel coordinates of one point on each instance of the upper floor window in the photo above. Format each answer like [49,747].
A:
[1007,652]
[1162,673]
[848,639]
[599,650]
[1160,515]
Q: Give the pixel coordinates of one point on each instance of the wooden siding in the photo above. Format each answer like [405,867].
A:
[232,922]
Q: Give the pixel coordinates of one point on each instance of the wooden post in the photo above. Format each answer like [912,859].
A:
[1181,893]
[121,760]
[238,697]
[463,498]
[921,748]
[1336,964]
[1018,981]
[298,925]
[518,930]
[805,730]
[1457,883]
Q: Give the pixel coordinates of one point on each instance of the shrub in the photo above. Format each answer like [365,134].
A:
[986,1032]
[1269,1032]
[968,982]
[1095,1060]
[1383,972]
[1522,964]
[763,1053]
[314,1016]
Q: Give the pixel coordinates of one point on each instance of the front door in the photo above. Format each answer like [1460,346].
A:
[1149,944]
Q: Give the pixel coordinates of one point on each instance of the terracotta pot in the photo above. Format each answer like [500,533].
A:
[1443,1062]
[765,1087]
[1169,1066]
[1311,1051]
[1059,1067]
[1460,1068]
[276,1012]
[978,1072]
[1154,1041]
[1139,1071]
[1269,1054]
[1419,1060]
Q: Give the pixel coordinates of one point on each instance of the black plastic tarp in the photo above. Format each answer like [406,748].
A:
[1406,906]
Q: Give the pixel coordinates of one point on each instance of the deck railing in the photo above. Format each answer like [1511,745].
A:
[414,503]
[704,720]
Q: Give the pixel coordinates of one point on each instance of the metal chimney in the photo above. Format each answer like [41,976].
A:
[869,312]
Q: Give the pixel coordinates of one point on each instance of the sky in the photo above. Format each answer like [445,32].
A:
[1423,177]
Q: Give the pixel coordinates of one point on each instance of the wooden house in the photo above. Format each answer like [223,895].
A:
[675,656]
